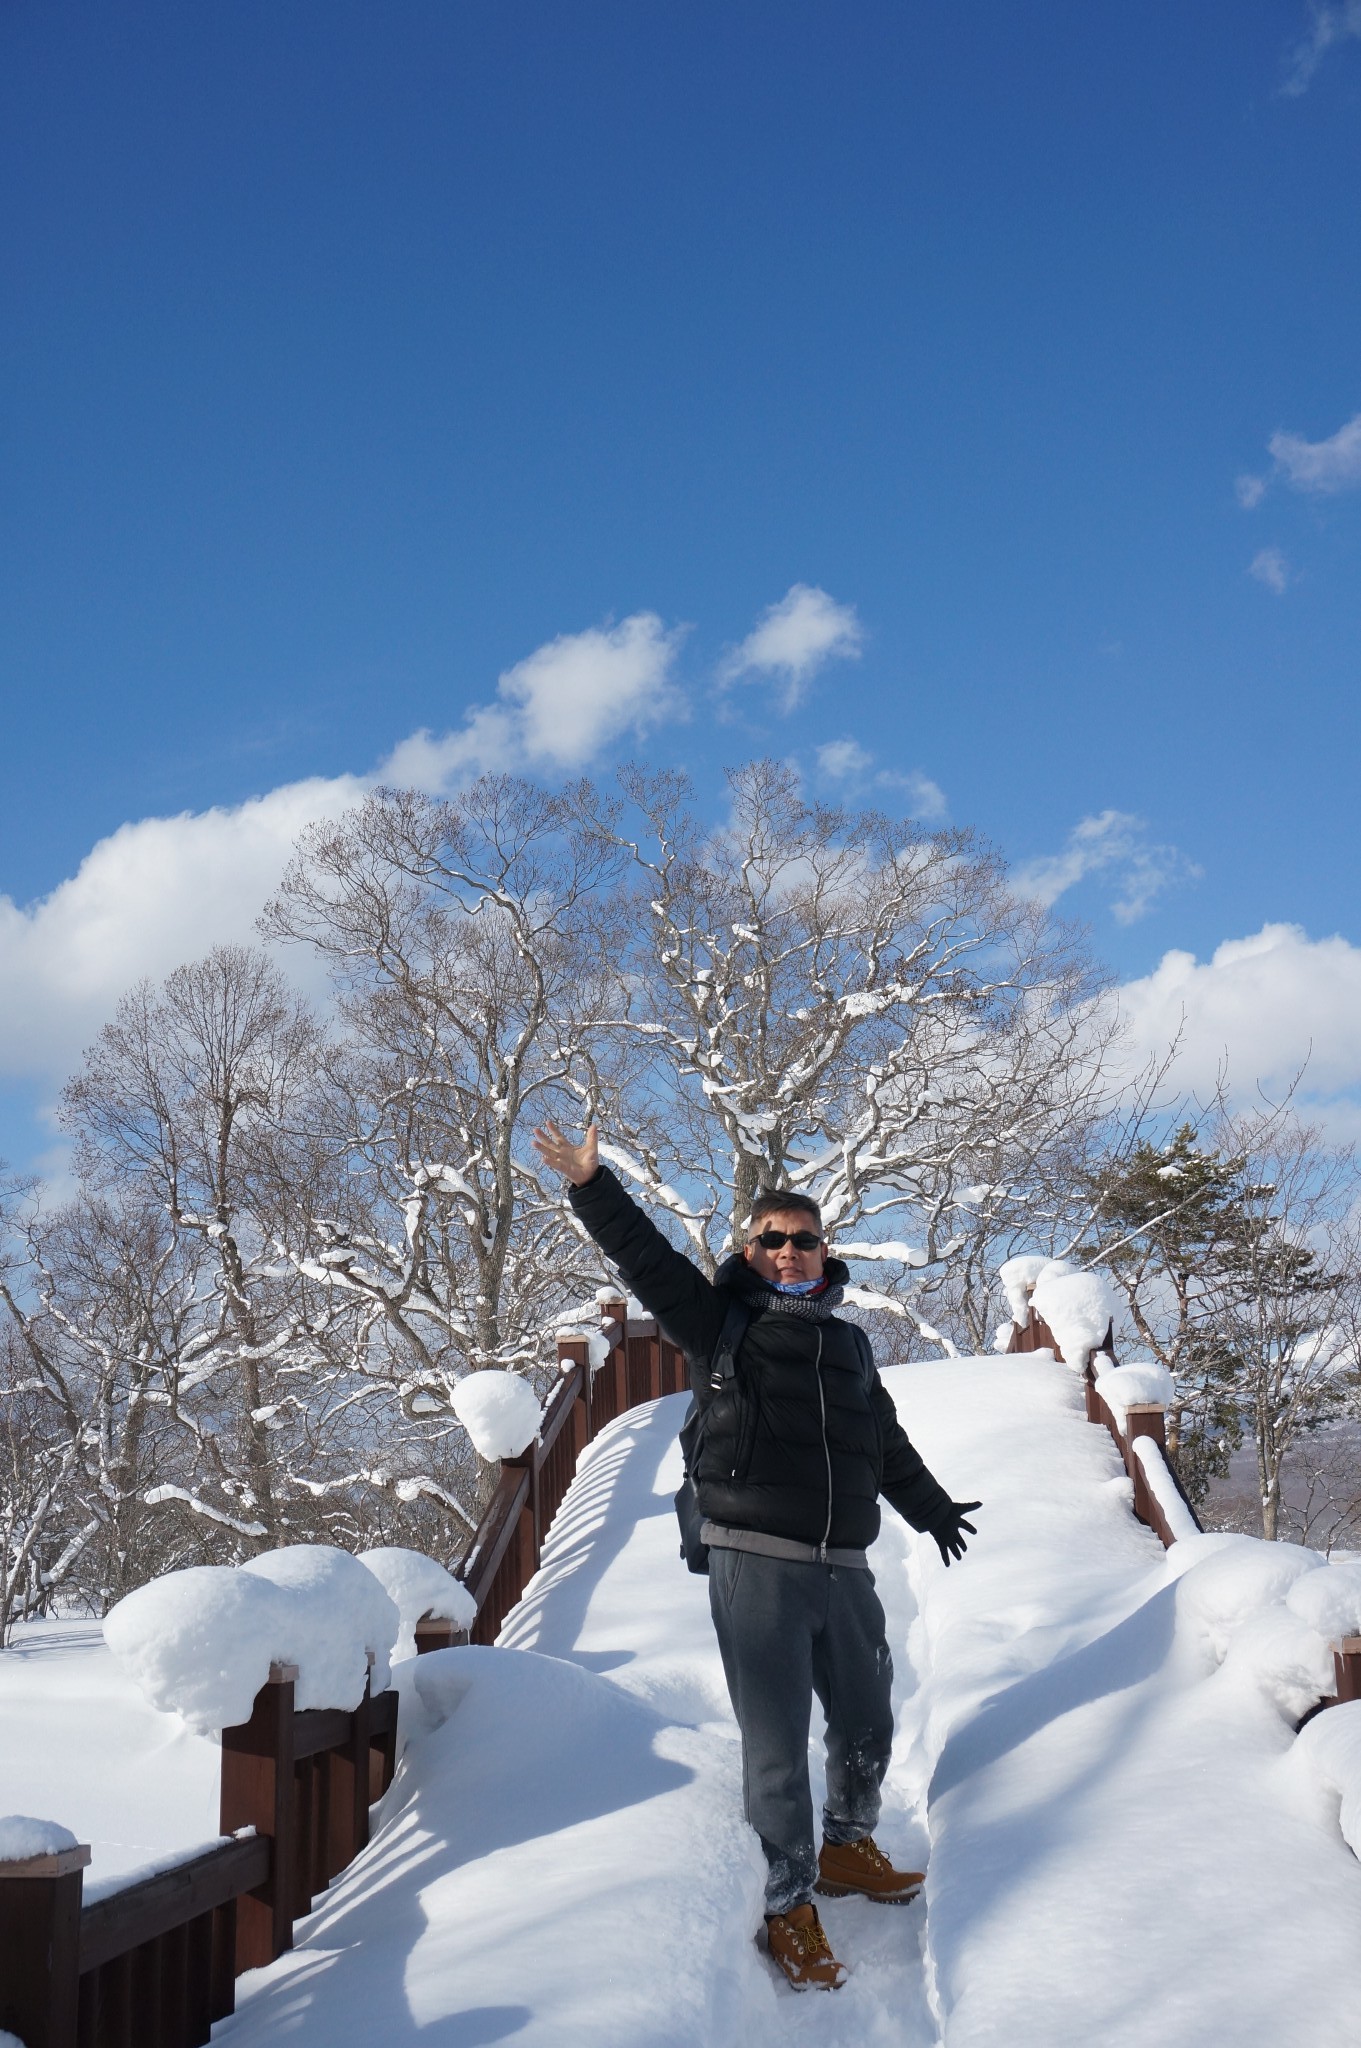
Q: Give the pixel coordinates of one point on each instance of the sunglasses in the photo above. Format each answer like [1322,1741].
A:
[802,1240]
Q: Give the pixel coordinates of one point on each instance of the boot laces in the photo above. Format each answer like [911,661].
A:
[873,1854]
[810,1941]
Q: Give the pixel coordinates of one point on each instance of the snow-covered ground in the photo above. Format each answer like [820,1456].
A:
[1126,1841]
[79,1745]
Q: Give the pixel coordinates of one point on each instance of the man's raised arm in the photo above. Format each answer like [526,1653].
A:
[669,1286]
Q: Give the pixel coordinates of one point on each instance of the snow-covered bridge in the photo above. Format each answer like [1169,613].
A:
[1126,1841]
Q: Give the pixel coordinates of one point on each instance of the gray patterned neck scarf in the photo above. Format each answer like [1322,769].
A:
[813,1308]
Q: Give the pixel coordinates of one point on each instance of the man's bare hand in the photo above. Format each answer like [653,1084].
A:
[577,1163]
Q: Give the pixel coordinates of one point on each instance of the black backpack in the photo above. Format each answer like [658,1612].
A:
[693,1548]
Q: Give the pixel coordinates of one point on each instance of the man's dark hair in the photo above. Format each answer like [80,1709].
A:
[770,1201]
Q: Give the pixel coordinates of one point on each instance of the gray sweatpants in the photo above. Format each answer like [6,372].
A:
[787,1631]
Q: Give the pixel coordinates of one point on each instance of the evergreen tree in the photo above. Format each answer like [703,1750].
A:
[1168,1217]
[1238,1262]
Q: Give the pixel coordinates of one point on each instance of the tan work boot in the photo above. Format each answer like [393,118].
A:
[863,1867]
[799,1945]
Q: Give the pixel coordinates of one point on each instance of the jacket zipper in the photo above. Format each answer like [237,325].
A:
[826,1448]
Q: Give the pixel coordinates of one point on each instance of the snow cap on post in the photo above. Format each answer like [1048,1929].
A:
[1328,1750]
[200,1642]
[1142,1382]
[1078,1308]
[1330,1601]
[1234,1578]
[22,1838]
[597,1341]
[349,1620]
[1018,1276]
[500,1412]
[419,1587]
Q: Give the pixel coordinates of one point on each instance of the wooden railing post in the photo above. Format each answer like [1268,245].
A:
[583,1422]
[619,1366]
[40,1901]
[432,1634]
[258,1788]
[1347,1665]
[575,1353]
[654,1364]
[642,1363]
[1093,1401]
[382,1747]
[608,1391]
[346,1781]
[529,1535]
[1144,1418]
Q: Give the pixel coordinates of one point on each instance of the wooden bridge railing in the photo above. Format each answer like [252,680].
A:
[153,1964]
[1159,1499]
[1139,1432]
[505,1552]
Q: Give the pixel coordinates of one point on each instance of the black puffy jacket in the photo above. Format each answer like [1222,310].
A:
[801,1442]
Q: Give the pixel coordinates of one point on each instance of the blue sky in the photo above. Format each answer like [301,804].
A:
[350,356]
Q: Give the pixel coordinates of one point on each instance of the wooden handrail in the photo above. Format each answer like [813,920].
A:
[496,1531]
[557,1415]
[123,1920]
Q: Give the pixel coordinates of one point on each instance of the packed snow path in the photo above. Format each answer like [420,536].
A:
[1127,1842]
[563,1860]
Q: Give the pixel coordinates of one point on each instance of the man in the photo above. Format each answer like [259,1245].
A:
[797,1447]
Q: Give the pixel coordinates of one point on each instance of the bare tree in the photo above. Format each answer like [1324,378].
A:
[192,1115]
[38,1459]
[1321,1489]
[1287,1291]
[458,936]
[846,1005]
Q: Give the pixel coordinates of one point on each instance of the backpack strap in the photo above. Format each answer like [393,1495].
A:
[722,1368]
[724,1363]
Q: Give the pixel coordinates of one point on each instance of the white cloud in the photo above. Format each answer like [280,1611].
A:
[842,758]
[1260,1007]
[1332,23]
[1114,843]
[159,891]
[1269,566]
[794,638]
[151,895]
[557,709]
[926,800]
[1322,466]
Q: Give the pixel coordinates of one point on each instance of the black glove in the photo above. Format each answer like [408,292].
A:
[947,1530]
